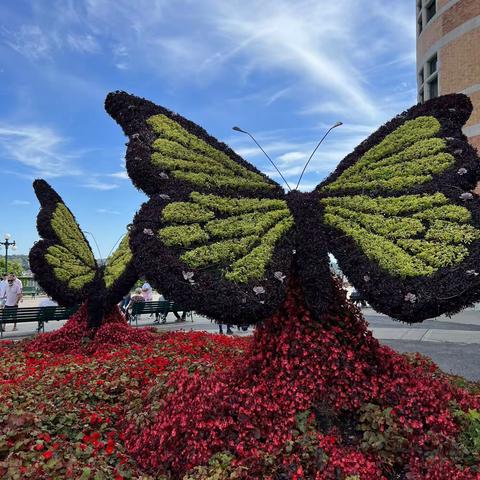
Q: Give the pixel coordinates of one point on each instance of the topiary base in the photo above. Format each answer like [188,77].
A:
[311,399]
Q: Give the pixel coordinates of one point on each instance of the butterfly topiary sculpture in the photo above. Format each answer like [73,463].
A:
[223,239]
[64,264]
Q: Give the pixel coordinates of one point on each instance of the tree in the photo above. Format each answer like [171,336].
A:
[13,266]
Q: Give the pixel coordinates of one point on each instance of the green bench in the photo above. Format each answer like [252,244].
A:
[160,309]
[35,314]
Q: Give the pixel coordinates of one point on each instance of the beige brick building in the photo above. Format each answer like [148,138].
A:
[448,53]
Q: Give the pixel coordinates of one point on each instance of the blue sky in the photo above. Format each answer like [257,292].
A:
[284,70]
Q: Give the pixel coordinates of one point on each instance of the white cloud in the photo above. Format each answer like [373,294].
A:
[123,175]
[292,157]
[325,49]
[29,41]
[106,211]
[37,43]
[20,202]
[271,147]
[83,43]
[95,184]
[40,149]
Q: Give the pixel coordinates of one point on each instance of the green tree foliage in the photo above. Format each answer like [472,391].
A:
[13,267]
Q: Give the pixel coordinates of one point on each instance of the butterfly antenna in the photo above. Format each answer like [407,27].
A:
[115,244]
[96,244]
[313,153]
[238,129]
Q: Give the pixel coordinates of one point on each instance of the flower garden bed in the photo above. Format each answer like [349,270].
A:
[299,400]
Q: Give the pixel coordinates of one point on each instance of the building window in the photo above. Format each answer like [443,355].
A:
[432,64]
[421,96]
[421,77]
[431,10]
[433,88]
[419,6]
[420,25]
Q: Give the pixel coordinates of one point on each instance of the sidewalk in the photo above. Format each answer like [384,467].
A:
[452,343]
[463,328]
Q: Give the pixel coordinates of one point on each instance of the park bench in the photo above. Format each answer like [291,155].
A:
[160,309]
[35,314]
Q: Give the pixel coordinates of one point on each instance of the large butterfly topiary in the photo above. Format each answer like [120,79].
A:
[223,239]
[64,264]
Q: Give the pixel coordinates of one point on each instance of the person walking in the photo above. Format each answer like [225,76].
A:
[13,295]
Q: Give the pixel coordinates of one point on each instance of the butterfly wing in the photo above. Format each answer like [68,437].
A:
[119,273]
[400,216]
[62,261]
[217,235]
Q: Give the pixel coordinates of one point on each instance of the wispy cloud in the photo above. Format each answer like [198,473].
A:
[292,157]
[95,184]
[40,149]
[107,211]
[20,202]
[123,175]
[83,43]
[29,41]
[37,43]
[326,49]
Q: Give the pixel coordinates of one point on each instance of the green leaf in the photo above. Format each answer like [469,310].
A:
[86,472]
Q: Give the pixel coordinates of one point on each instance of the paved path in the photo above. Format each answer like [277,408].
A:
[453,343]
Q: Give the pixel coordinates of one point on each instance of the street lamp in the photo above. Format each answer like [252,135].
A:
[7,244]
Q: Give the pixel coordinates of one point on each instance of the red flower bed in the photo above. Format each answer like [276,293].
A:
[303,399]
[322,399]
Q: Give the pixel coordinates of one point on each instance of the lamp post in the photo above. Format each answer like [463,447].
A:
[7,244]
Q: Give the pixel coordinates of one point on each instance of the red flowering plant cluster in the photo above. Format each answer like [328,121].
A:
[314,399]
[306,398]
[62,406]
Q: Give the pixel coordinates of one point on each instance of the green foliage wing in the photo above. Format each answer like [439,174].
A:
[187,157]
[72,258]
[238,236]
[401,217]
[118,262]
[63,262]
[408,236]
[408,156]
